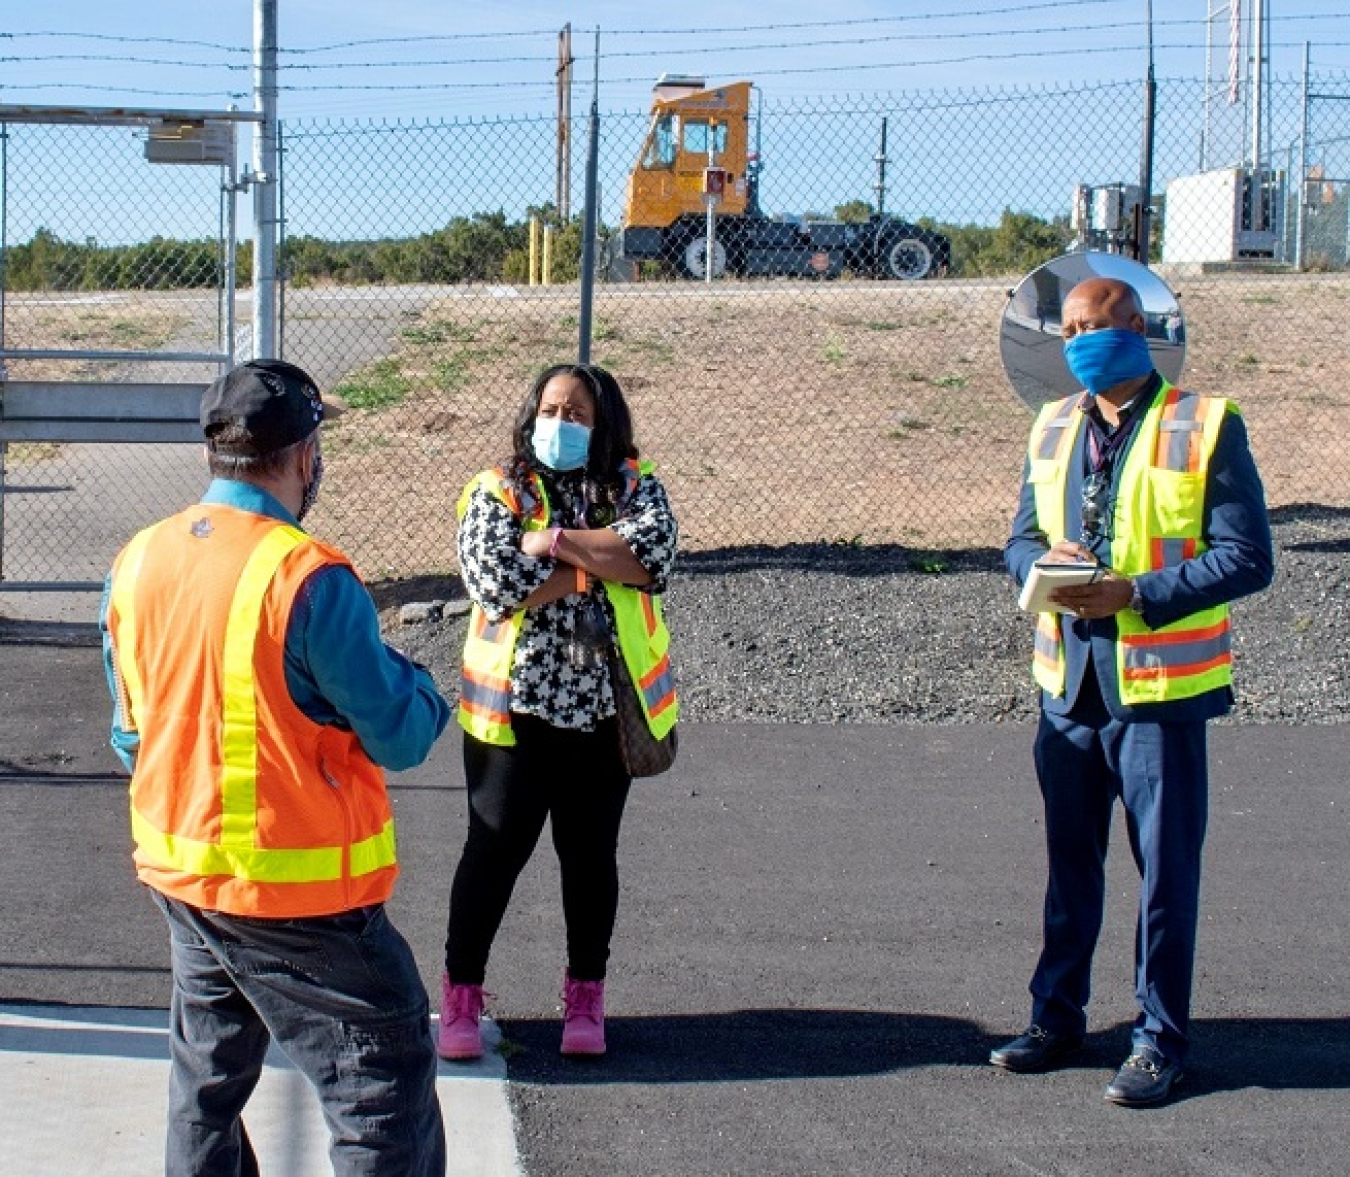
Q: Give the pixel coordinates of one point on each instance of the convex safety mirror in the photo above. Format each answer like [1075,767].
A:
[1030,345]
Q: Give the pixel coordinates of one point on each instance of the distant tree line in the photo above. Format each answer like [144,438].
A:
[47,262]
[484,247]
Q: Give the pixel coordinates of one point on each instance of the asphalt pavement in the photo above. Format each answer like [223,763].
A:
[824,930]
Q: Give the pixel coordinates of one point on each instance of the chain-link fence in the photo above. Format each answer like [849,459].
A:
[114,271]
[804,393]
[834,378]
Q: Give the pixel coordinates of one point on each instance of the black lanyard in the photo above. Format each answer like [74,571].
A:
[1105,444]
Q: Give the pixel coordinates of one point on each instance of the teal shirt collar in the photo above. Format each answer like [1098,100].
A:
[245,496]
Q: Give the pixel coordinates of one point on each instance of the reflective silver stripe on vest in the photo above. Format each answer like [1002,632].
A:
[1172,551]
[1049,443]
[661,687]
[1153,656]
[1047,644]
[483,697]
[1174,433]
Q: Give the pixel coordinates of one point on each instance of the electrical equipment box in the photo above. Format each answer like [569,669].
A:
[190,143]
[1227,215]
[1105,216]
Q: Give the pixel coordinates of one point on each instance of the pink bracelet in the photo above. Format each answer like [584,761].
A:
[553,547]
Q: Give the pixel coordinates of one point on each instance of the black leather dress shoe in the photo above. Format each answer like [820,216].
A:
[1036,1050]
[1147,1077]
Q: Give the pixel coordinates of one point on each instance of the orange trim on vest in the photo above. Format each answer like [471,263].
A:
[1178,670]
[1176,638]
[1186,548]
[317,799]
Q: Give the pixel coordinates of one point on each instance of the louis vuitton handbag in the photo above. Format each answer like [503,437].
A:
[643,753]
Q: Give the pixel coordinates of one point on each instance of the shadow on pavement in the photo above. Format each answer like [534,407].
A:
[840,559]
[23,774]
[747,1044]
[16,632]
[1228,1054]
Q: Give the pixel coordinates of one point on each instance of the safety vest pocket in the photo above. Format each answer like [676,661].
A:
[1041,471]
[1176,502]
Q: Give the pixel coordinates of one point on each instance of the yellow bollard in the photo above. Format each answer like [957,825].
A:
[534,251]
[548,255]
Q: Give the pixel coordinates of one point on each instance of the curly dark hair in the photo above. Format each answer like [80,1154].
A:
[611,436]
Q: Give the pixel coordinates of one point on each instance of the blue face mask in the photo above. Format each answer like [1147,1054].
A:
[1102,359]
[559,444]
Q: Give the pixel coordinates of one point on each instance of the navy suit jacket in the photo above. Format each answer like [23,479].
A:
[1239,561]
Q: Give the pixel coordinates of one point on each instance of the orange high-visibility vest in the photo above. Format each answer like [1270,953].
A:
[239,801]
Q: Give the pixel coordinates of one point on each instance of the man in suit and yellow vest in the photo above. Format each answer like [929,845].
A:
[256,707]
[1159,487]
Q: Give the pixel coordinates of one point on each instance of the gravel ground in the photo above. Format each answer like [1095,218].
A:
[838,634]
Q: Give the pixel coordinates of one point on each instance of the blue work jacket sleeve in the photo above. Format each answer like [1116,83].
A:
[1240,559]
[339,670]
[126,741]
[1027,543]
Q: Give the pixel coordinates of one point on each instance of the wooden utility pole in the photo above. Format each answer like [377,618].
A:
[564,193]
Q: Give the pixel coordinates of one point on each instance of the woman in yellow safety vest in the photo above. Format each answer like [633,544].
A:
[565,550]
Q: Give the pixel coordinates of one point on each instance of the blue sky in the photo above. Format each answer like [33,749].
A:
[433,60]
[439,59]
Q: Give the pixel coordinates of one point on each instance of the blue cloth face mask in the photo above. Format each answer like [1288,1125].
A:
[560,445]
[1102,359]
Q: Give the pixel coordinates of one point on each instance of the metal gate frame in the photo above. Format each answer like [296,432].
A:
[100,411]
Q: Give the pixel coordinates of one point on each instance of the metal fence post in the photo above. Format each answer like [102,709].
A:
[1301,188]
[590,212]
[229,205]
[4,288]
[265,179]
[280,258]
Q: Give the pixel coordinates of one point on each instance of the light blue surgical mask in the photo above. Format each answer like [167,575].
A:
[561,445]
[1102,359]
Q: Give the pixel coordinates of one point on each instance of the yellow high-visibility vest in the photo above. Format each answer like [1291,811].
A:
[1157,521]
[489,647]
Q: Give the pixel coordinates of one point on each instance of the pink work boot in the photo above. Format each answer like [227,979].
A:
[461,1007]
[583,1017]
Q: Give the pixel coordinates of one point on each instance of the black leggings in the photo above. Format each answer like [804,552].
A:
[576,778]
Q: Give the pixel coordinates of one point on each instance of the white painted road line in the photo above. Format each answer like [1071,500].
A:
[84,1091]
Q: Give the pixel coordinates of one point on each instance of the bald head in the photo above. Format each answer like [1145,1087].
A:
[1100,303]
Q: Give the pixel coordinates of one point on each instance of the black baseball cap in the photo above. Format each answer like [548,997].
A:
[275,403]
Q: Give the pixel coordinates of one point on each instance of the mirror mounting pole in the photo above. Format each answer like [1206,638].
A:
[1144,220]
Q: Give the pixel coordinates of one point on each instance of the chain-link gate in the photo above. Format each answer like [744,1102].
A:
[810,397]
[117,285]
